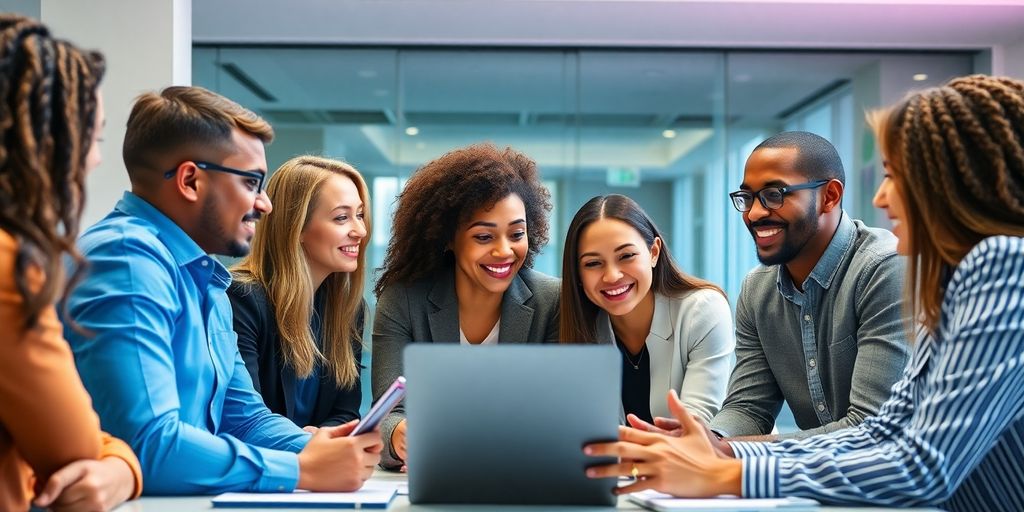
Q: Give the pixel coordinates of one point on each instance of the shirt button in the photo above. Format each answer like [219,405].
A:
[205,263]
[280,487]
[811,363]
[807,317]
[821,407]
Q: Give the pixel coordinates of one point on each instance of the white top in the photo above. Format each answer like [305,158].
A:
[491,339]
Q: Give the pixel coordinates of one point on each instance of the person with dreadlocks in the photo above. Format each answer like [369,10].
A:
[51,116]
[458,267]
[952,432]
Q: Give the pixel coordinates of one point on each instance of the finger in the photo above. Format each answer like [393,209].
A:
[368,440]
[640,484]
[620,449]
[611,470]
[60,480]
[666,423]
[310,428]
[76,496]
[632,435]
[341,430]
[686,420]
[404,469]
[637,423]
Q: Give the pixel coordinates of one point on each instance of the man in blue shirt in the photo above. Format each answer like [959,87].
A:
[152,331]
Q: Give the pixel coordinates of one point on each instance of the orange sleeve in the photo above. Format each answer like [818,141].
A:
[114,447]
[43,405]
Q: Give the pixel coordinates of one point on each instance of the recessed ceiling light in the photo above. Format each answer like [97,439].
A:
[412,131]
[920,77]
[669,134]
[367,73]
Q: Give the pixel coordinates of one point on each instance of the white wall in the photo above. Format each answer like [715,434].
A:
[148,46]
[1013,60]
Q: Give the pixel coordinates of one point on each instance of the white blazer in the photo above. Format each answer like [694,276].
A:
[692,350]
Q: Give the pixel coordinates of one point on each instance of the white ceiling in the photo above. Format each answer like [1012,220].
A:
[963,24]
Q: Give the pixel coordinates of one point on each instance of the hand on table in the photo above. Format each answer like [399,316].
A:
[88,485]
[335,461]
[687,465]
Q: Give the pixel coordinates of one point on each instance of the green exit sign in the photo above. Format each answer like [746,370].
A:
[623,177]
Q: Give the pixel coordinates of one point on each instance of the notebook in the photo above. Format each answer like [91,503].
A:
[373,495]
[666,503]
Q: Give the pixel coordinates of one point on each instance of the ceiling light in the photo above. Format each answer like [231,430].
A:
[412,131]
[669,134]
[920,77]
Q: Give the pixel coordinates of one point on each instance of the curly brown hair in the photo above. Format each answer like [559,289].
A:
[443,194]
[48,109]
[956,158]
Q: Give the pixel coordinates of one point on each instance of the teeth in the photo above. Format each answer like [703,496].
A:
[352,249]
[765,233]
[618,291]
[250,223]
[498,270]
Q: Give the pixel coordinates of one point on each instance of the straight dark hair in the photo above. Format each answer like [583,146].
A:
[578,315]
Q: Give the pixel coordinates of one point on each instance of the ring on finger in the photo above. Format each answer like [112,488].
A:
[635,472]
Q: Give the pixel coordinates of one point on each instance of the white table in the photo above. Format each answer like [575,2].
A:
[401,504]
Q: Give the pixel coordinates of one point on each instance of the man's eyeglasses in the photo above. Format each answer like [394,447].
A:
[255,181]
[771,197]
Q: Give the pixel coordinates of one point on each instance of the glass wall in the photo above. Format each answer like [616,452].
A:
[671,129]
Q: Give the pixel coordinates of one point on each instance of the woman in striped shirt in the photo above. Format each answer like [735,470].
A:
[952,432]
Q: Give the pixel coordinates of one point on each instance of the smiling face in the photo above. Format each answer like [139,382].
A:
[233,205]
[780,234]
[333,235]
[616,265]
[888,198]
[491,247]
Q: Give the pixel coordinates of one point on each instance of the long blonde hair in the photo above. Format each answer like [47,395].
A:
[956,157]
[278,263]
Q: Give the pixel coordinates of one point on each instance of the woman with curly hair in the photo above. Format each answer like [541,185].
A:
[298,296]
[51,116]
[951,434]
[466,230]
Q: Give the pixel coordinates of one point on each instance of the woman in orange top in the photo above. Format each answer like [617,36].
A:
[50,118]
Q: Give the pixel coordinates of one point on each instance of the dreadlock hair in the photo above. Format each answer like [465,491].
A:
[955,154]
[444,193]
[48,91]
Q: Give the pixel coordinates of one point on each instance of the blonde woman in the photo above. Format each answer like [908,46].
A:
[297,297]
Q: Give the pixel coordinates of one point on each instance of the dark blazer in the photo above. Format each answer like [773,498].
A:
[428,311]
[260,346]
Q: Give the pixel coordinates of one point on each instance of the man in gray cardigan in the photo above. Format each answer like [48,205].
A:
[819,323]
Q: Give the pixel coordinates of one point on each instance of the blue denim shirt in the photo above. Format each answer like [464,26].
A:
[162,363]
[832,352]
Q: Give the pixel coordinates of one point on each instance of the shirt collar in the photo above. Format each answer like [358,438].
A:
[828,264]
[183,248]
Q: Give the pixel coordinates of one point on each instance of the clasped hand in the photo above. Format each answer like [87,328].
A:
[682,458]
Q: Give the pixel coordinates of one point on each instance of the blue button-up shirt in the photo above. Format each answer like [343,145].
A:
[162,362]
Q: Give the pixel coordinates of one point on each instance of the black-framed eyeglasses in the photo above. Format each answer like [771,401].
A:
[255,186]
[771,197]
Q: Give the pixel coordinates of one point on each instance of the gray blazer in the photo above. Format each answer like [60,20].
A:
[428,311]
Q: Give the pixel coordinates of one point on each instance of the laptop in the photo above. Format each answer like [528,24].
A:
[506,424]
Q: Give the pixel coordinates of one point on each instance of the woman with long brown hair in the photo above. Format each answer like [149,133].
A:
[51,116]
[620,285]
[298,296]
[952,432]
[458,268]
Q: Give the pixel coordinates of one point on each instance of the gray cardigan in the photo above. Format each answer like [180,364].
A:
[428,311]
[832,352]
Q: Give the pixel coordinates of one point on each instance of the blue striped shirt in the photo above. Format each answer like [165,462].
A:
[952,433]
